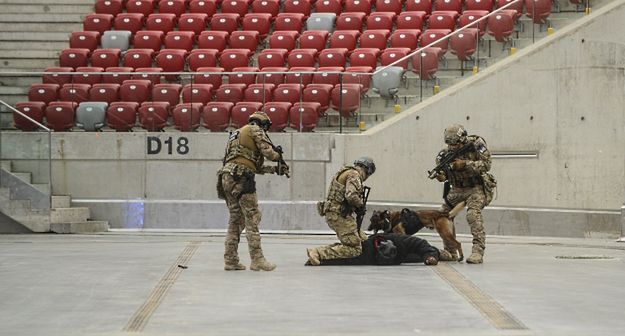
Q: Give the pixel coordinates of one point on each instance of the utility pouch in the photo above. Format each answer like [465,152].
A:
[221,194]
[249,186]
[321,208]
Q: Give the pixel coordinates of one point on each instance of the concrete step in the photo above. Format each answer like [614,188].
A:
[37,36]
[19,81]
[61,201]
[27,54]
[44,28]
[43,18]
[66,215]
[49,8]
[47,2]
[43,187]
[80,227]
[29,64]
[24,45]
[36,222]
[6,165]
[26,177]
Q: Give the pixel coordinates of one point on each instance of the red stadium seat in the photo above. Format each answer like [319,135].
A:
[240,77]
[411,20]
[60,115]
[235,58]
[56,78]
[285,39]
[122,116]
[197,93]
[297,6]
[333,57]
[230,93]
[313,39]
[278,112]
[463,44]
[202,58]
[208,7]
[362,6]
[484,5]
[74,58]
[167,93]
[163,22]
[391,55]
[216,115]
[271,7]
[259,22]
[432,35]
[329,6]
[259,93]
[132,22]
[443,20]
[105,58]
[91,75]
[381,20]
[135,90]
[145,7]
[351,77]
[538,10]
[346,99]
[319,93]
[73,92]
[34,110]
[272,58]
[176,7]
[449,5]
[272,78]
[344,39]
[518,6]
[374,38]
[112,7]
[419,5]
[350,21]
[364,57]
[289,92]
[242,111]
[153,115]
[211,77]
[213,39]
[194,22]
[116,78]
[303,116]
[186,116]
[244,39]
[171,60]
[104,92]
[179,40]
[405,38]
[98,22]
[151,74]
[302,58]
[138,58]
[84,40]
[299,78]
[235,6]
[425,63]
[289,21]
[501,24]
[148,39]
[327,75]
[469,16]
[227,22]
[394,6]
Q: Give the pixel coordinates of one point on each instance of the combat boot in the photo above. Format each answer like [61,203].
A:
[261,264]
[446,256]
[477,256]
[313,257]
[234,266]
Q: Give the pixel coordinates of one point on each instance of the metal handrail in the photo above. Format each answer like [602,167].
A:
[25,116]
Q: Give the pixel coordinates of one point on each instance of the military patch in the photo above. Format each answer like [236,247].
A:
[234,135]
[482,149]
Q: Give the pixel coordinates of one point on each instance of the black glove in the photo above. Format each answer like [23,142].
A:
[360,211]
[282,169]
[278,149]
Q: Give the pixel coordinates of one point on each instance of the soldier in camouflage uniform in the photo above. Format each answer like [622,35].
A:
[245,153]
[470,182]
[345,197]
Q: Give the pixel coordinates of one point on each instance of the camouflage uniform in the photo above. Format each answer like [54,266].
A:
[473,185]
[346,186]
[247,147]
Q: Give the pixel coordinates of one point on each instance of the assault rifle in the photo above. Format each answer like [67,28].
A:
[444,165]
[281,162]
[347,209]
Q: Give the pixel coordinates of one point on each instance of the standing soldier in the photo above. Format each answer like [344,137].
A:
[345,197]
[245,153]
[470,182]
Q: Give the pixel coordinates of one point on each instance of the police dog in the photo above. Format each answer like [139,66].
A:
[408,222]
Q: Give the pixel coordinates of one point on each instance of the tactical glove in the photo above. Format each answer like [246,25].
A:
[360,211]
[282,169]
[441,177]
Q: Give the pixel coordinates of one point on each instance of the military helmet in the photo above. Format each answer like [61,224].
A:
[366,163]
[261,118]
[455,134]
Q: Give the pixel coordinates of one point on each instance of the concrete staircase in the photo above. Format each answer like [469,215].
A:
[31,206]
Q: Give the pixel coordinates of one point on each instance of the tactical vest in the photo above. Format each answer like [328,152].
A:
[336,193]
[466,178]
[242,149]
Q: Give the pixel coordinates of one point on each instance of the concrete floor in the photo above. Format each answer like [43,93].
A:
[127,283]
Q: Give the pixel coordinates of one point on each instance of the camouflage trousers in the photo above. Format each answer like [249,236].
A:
[476,200]
[349,236]
[244,214]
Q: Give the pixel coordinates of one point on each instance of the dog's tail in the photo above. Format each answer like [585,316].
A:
[456,210]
